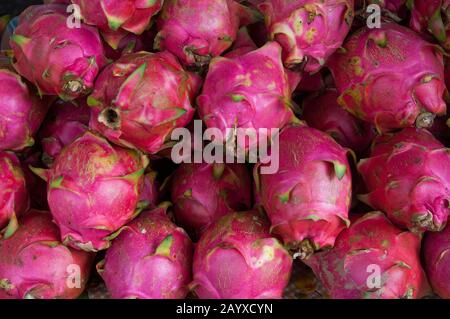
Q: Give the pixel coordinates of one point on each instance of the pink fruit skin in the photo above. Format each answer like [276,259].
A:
[407,177]
[237,258]
[308,199]
[436,253]
[65,122]
[308,30]
[117,18]
[250,91]
[93,190]
[35,264]
[203,193]
[390,64]
[372,243]
[141,98]
[14,198]
[37,188]
[131,43]
[185,29]
[150,259]
[21,112]
[58,59]
[322,111]
[150,193]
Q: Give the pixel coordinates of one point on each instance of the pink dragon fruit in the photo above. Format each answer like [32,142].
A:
[372,259]
[35,264]
[93,190]
[150,194]
[321,111]
[432,16]
[65,122]
[237,258]
[58,59]
[407,177]
[308,199]
[436,252]
[117,18]
[185,28]
[390,64]
[251,91]
[202,193]
[131,43]
[308,30]
[21,112]
[141,98]
[14,198]
[150,259]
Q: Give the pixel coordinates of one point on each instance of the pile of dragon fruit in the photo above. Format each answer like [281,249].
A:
[92,205]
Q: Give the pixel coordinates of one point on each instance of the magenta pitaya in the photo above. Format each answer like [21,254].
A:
[14,198]
[391,64]
[308,199]
[150,259]
[141,98]
[21,112]
[58,59]
[93,190]
[251,91]
[150,194]
[202,193]
[65,122]
[321,111]
[308,30]
[372,259]
[436,253]
[186,28]
[237,257]
[115,18]
[407,177]
[35,264]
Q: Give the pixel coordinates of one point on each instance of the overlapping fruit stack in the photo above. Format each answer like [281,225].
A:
[89,195]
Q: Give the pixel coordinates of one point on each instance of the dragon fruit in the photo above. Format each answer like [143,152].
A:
[58,59]
[202,193]
[308,30]
[238,258]
[131,43]
[141,98]
[93,190]
[251,91]
[185,28]
[150,193]
[65,122]
[436,252]
[407,177]
[321,111]
[431,16]
[117,18]
[150,259]
[21,112]
[308,199]
[390,64]
[372,259]
[14,198]
[35,264]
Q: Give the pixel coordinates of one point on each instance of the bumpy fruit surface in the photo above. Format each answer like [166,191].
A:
[14,198]
[21,112]
[250,91]
[150,259]
[436,255]
[202,193]
[141,98]
[407,177]
[308,30]
[93,190]
[237,258]
[34,264]
[372,259]
[58,59]
[390,77]
[308,199]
